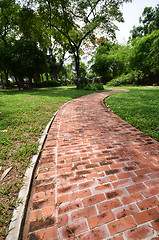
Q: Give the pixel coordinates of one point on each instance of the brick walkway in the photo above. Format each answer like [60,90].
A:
[98,178]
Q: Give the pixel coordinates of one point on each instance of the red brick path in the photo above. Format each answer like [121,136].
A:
[98,178]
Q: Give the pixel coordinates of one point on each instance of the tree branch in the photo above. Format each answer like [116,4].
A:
[85,35]
[5,26]
[71,42]
[92,8]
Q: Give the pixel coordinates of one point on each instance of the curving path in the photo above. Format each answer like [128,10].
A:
[97,178]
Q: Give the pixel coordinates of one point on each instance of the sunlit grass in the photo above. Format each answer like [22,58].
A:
[139,107]
[24,116]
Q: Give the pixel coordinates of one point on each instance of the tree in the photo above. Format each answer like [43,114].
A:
[5,51]
[144,56]
[75,22]
[31,27]
[149,22]
[8,26]
[110,60]
[27,60]
[23,57]
[138,61]
[9,11]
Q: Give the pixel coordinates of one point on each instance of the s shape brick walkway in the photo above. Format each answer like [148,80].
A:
[97,178]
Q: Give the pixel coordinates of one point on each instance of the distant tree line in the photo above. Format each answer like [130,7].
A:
[136,63]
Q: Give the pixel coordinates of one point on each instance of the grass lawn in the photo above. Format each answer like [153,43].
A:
[139,107]
[23,117]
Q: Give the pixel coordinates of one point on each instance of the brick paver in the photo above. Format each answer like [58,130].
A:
[97,178]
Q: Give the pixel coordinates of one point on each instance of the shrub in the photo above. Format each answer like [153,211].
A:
[46,84]
[132,78]
[93,87]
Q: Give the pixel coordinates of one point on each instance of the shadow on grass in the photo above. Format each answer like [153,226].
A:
[70,91]
[18,106]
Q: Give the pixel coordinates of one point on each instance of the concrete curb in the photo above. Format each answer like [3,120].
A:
[19,212]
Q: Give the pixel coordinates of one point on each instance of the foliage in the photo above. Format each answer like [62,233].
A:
[135,63]
[139,107]
[31,27]
[72,23]
[9,11]
[46,84]
[23,40]
[92,87]
[5,56]
[110,60]
[144,56]
[27,59]
[132,78]
[22,59]
[149,22]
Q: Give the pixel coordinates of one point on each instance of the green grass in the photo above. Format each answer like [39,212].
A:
[139,107]
[23,117]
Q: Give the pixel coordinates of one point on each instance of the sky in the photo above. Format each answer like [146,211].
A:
[131,13]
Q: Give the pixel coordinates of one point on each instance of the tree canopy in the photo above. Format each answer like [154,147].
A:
[73,23]
[110,60]
[65,23]
[138,61]
[144,55]
[149,21]
[9,11]
[22,41]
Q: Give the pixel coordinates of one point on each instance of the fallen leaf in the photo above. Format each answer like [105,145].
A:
[5,173]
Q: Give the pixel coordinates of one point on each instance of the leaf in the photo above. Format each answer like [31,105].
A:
[5,173]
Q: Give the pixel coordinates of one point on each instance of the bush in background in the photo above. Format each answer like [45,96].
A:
[92,87]
[132,78]
[46,84]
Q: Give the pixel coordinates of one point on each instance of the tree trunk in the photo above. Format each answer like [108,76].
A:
[77,61]
[2,84]
[30,81]
[22,83]
[17,82]
[42,78]
[6,79]
[47,77]
[61,64]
